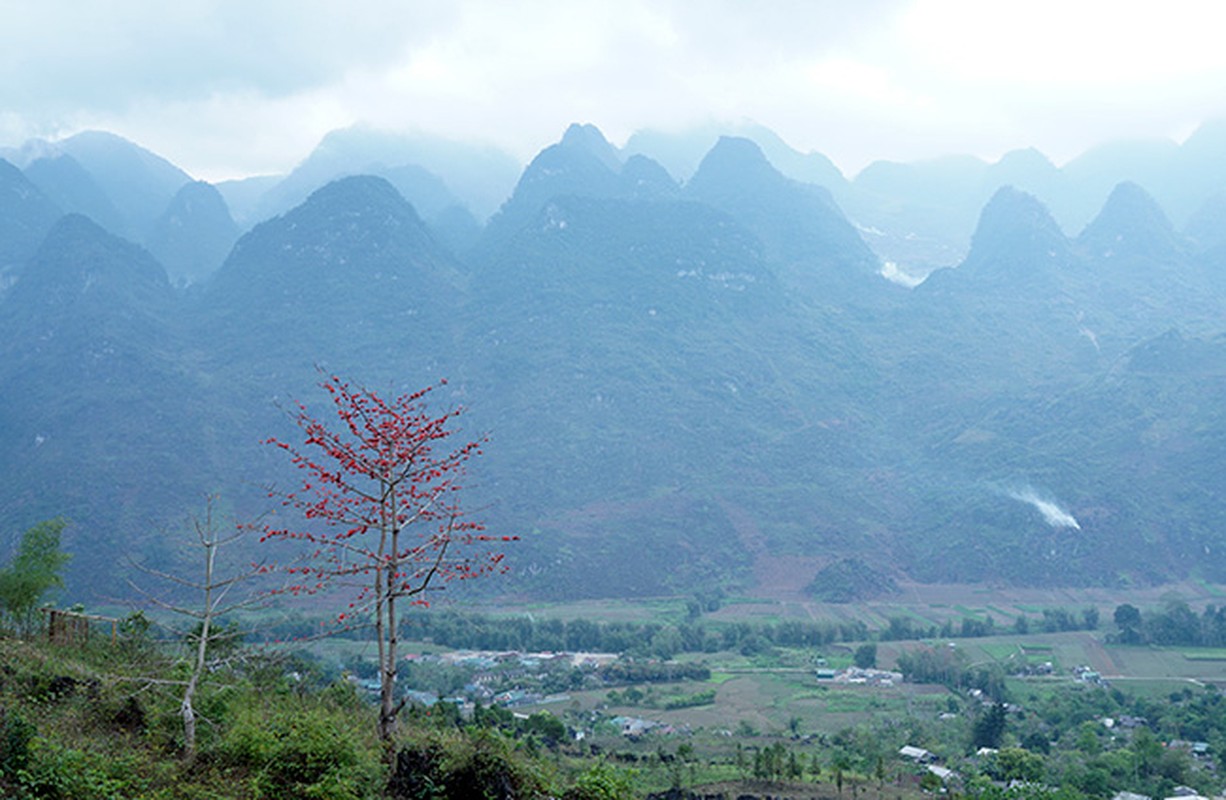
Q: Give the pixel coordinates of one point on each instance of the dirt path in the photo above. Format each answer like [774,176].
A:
[781,578]
[1100,657]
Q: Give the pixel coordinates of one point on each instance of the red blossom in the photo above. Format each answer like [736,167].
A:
[380,503]
[385,473]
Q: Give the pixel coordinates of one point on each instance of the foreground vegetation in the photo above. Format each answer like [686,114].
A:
[101,720]
[673,701]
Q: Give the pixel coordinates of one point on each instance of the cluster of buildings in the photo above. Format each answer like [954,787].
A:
[634,727]
[492,672]
[860,676]
[1179,793]
[489,659]
[928,760]
[1085,674]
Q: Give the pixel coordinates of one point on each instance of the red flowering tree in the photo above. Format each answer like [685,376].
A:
[381,518]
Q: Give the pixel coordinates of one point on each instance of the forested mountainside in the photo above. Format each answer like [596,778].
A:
[685,383]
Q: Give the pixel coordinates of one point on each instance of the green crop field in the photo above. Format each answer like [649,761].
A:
[1209,588]
[971,613]
[1000,651]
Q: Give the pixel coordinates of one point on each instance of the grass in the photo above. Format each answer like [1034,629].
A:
[1209,588]
[1000,651]
[915,615]
[749,601]
[99,735]
[971,613]
[655,609]
[1153,688]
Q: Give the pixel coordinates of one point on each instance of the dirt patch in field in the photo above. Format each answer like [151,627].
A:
[779,578]
[904,786]
[1100,657]
[784,578]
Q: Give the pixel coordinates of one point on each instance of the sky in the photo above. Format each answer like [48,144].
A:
[229,88]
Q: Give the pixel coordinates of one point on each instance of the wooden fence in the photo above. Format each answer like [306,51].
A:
[72,627]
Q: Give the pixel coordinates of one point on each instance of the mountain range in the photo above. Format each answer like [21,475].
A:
[694,371]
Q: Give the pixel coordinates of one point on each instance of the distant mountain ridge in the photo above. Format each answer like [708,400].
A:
[916,217]
[686,384]
[26,215]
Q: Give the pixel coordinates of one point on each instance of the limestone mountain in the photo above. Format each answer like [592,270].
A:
[802,229]
[62,178]
[138,182]
[26,214]
[1016,242]
[644,179]
[443,173]
[581,164]
[194,234]
[685,386]
[681,152]
[92,373]
[1130,227]
[1206,228]
[348,279]
[654,346]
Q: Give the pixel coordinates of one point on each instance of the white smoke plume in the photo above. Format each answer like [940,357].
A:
[1053,514]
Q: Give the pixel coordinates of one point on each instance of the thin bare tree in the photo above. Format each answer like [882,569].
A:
[216,598]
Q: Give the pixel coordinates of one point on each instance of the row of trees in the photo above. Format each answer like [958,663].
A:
[948,666]
[1052,620]
[524,633]
[1173,624]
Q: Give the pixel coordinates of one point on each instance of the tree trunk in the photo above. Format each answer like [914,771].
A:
[387,668]
[386,623]
[189,720]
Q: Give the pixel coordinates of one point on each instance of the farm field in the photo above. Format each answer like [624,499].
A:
[924,604]
[1068,650]
[777,693]
[772,703]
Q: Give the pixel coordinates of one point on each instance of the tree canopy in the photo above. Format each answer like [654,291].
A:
[33,572]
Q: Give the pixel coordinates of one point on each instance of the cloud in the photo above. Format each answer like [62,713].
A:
[62,55]
[898,79]
[1054,43]
[1053,514]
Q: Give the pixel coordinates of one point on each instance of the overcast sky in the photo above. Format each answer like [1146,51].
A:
[226,88]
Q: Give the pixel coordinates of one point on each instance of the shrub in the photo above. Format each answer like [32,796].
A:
[602,782]
[479,765]
[15,736]
[295,752]
[56,772]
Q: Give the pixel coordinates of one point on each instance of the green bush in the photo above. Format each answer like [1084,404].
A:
[602,782]
[56,772]
[704,698]
[294,752]
[15,736]
[477,765]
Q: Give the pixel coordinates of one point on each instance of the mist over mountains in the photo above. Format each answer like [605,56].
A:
[690,365]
